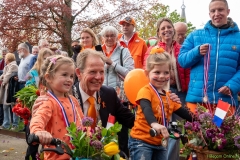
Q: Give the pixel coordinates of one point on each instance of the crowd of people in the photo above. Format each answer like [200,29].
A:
[182,71]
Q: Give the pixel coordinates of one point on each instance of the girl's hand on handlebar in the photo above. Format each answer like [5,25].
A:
[44,137]
[160,129]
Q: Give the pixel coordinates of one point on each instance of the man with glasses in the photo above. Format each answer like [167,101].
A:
[23,69]
[130,39]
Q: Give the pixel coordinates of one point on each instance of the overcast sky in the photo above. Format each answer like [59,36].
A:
[197,10]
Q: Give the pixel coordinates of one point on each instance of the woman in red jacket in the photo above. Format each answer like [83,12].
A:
[179,77]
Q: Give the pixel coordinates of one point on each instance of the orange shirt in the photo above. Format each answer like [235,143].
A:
[141,127]
[49,117]
[137,47]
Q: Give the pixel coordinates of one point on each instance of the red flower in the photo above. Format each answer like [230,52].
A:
[38,92]
[26,121]
[23,112]
[17,109]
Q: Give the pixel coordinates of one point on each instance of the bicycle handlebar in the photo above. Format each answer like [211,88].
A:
[174,133]
[56,142]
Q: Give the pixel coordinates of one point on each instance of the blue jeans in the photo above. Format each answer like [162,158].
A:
[7,117]
[140,150]
[1,114]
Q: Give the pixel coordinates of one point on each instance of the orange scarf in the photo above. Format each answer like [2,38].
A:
[105,50]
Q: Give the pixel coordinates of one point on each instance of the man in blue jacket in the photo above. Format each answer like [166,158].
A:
[213,54]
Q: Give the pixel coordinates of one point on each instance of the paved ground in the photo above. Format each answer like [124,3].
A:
[12,148]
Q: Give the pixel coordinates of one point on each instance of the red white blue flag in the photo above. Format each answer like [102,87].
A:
[220,112]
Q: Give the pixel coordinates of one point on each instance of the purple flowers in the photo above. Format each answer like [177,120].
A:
[221,142]
[87,121]
[203,132]
[188,125]
[210,133]
[205,117]
[237,141]
[97,144]
[196,126]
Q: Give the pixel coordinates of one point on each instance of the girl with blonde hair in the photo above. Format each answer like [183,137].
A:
[33,75]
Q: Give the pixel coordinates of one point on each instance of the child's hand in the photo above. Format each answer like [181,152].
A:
[160,129]
[38,101]
[44,137]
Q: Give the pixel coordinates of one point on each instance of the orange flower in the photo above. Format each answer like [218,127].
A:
[157,50]
[38,92]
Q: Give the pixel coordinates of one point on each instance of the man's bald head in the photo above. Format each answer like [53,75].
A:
[181,31]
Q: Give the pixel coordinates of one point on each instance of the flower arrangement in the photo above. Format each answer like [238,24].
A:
[204,134]
[100,143]
[25,99]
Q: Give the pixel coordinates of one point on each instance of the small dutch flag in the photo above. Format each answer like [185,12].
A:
[111,121]
[220,113]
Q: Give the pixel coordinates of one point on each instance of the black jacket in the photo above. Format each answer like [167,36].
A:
[12,89]
[113,106]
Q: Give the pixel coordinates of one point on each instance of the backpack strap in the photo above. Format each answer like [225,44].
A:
[121,57]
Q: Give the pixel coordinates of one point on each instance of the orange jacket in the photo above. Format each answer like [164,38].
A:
[49,118]
[137,48]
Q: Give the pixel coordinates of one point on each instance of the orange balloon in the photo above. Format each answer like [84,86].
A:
[133,82]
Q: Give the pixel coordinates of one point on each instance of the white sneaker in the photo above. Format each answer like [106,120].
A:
[14,128]
[1,127]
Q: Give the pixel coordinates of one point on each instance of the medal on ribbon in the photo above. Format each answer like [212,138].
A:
[164,142]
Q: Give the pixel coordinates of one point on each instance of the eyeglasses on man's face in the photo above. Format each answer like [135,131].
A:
[109,36]
[20,49]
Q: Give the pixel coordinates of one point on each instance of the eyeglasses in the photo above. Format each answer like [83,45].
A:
[109,36]
[20,49]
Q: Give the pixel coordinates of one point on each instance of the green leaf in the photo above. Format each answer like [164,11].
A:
[83,135]
[104,132]
[67,148]
[116,157]
[105,156]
